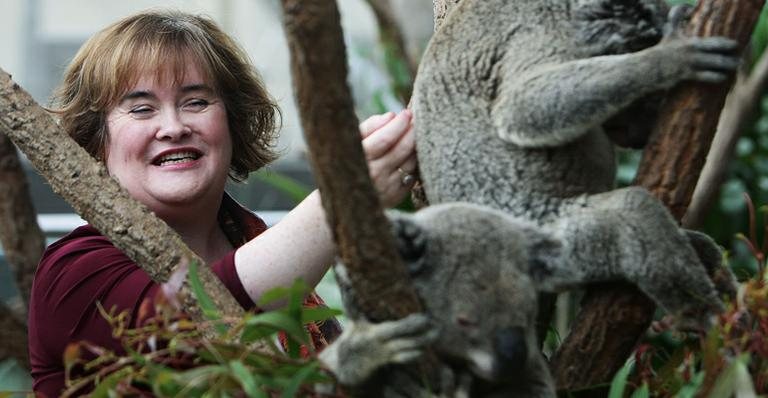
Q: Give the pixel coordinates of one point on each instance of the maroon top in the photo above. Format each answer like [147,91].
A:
[84,268]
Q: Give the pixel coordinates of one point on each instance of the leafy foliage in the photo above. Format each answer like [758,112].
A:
[169,355]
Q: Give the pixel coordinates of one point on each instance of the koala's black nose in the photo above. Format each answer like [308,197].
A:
[511,351]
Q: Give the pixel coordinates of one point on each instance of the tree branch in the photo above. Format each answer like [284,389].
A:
[740,108]
[85,184]
[23,244]
[391,38]
[13,335]
[614,318]
[361,231]
[20,235]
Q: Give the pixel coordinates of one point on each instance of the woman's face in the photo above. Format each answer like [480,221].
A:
[169,144]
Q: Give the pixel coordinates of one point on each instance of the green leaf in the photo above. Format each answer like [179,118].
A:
[274,295]
[164,384]
[262,325]
[298,379]
[318,314]
[732,379]
[692,387]
[642,392]
[619,383]
[108,384]
[203,299]
[287,185]
[198,381]
[246,379]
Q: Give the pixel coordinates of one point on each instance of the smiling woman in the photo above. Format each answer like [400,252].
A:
[172,106]
[169,144]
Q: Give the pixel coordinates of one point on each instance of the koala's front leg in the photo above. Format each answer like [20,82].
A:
[556,103]
[364,347]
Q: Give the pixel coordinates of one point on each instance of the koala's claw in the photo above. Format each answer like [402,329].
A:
[412,325]
[365,347]
[711,258]
[706,59]
[715,44]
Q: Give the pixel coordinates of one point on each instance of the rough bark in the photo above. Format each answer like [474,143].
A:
[615,317]
[393,41]
[360,229]
[740,109]
[20,236]
[13,335]
[86,185]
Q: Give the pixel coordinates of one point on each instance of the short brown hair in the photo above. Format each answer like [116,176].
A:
[110,62]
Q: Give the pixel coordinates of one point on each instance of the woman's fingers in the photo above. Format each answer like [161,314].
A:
[394,182]
[389,146]
[396,156]
[374,122]
[380,142]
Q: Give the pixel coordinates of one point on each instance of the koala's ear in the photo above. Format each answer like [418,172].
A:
[544,253]
[411,241]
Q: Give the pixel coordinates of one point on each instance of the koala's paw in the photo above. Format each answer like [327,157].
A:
[365,347]
[711,257]
[685,291]
[703,59]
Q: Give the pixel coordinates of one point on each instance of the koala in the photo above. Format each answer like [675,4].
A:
[469,265]
[519,105]
[478,272]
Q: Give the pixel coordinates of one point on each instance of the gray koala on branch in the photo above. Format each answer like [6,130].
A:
[470,266]
[519,105]
[478,271]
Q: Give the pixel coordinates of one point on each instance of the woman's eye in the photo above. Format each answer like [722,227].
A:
[141,111]
[196,104]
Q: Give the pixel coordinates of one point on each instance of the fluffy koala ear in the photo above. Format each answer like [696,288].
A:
[544,253]
[411,241]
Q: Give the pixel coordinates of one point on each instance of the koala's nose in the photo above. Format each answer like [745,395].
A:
[511,351]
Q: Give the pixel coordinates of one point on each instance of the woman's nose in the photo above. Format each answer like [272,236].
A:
[172,127]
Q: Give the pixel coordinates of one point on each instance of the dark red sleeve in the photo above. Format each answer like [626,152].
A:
[76,273]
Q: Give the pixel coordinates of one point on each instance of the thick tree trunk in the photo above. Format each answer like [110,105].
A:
[86,185]
[614,318]
[20,236]
[23,244]
[360,229]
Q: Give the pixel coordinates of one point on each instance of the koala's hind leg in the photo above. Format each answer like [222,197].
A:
[628,234]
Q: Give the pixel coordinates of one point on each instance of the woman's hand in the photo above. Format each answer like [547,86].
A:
[389,146]
[301,245]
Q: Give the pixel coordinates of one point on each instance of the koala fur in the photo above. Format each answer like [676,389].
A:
[518,105]
[470,266]
[511,99]
[478,272]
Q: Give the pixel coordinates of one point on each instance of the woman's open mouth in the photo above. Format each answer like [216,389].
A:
[171,158]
